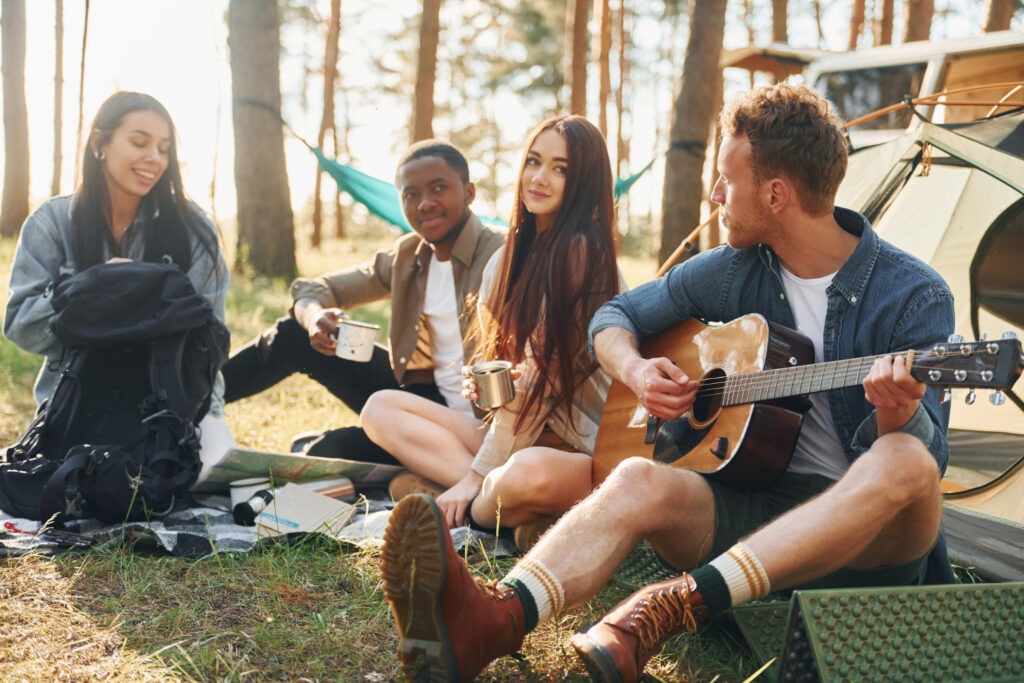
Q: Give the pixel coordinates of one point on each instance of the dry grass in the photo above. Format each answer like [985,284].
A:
[304,611]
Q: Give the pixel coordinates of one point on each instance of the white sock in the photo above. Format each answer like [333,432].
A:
[540,585]
[743,574]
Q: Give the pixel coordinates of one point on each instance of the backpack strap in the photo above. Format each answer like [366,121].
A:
[61,495]
[165,354]
[175,440]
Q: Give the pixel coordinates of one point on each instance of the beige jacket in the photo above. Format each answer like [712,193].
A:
[401,274]
[576,427]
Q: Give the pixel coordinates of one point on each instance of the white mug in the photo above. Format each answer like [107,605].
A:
[355,340]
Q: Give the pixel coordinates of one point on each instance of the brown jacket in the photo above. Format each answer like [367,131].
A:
[401,274]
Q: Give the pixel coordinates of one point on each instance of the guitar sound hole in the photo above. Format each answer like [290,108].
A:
[709,396]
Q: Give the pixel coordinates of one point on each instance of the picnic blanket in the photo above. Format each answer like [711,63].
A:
[203,526]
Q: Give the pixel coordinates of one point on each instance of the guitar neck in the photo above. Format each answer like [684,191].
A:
[798,380]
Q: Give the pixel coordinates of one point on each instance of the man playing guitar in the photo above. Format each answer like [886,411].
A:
[859,503]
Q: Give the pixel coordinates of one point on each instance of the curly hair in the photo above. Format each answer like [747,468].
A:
[793,131]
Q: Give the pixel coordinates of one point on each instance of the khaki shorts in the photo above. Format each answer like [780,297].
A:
[739,513]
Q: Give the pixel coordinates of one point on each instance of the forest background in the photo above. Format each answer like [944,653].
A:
[480,72]
[380,74]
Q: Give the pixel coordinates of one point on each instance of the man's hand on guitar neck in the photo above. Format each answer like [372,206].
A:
[663,389]
[893,392]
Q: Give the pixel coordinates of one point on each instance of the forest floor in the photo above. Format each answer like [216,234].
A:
[306,610]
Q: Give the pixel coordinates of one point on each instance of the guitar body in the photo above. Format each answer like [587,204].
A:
[747,446]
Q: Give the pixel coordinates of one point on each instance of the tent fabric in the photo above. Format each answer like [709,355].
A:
[987,546]
[975,184]
[961,214]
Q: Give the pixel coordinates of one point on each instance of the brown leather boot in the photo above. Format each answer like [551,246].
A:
[406,483]
[451,624]
[618,647]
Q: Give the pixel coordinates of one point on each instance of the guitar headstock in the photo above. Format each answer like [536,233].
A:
[982,364]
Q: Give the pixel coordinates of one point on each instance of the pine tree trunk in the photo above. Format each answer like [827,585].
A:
[779,12]
[426,71]
[265,222]
[883,23]
[58,94]
[578,72]
[998,14]
[81,94]
[917,19]
[691,119]
[327,119]
[621,107]
[14,209]
[856,24]
[603,67]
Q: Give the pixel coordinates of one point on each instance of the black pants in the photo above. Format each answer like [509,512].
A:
[284,349]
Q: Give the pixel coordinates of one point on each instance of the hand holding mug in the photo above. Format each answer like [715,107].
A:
[489,384]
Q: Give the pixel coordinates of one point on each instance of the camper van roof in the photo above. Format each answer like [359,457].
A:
[919,51]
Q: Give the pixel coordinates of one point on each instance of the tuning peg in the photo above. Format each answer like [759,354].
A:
[946,396]
[969,399]
[955,338]
[997,398]
[1009,334]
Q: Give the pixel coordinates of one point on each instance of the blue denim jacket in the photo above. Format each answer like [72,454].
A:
[881,300]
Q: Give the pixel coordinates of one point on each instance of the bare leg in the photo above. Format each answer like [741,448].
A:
[431,440]
[885,511]
[535,481]
[641,499]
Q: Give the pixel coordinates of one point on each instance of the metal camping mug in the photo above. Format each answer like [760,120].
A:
[493,383]
[355,340]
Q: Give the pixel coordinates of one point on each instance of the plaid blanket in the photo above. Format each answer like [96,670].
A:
[203,526]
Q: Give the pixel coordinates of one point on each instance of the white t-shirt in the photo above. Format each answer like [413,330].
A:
[441,315]
[818,450]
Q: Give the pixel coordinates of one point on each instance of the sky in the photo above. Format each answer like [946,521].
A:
[176,50]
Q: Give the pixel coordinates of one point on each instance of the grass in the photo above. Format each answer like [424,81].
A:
[308,610]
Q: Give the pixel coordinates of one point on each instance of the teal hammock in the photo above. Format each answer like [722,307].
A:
[381,198]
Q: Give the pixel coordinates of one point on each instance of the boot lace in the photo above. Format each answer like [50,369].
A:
[662,614]
[492,590]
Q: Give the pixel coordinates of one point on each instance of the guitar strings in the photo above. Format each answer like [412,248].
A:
[763,379]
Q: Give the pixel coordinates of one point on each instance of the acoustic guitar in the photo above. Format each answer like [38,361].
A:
[753,377]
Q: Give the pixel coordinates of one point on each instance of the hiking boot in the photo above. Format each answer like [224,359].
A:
[618,647]
[451,625]
[406,483]
[527,535]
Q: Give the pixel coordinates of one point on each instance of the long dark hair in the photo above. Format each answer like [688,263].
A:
[557,278]
[171,222]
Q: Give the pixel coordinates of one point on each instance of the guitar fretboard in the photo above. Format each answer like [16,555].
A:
[795,381]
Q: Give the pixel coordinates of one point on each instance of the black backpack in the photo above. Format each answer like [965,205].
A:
[117,439]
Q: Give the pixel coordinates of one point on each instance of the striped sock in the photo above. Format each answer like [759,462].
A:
[742,573]
[540,592]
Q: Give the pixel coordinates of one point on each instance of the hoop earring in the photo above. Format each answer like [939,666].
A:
[100,156]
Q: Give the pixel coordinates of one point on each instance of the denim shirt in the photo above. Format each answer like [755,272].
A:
[882,300]
[44,254]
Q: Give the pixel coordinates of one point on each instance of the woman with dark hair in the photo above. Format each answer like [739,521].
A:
[130,206]
[532,458]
